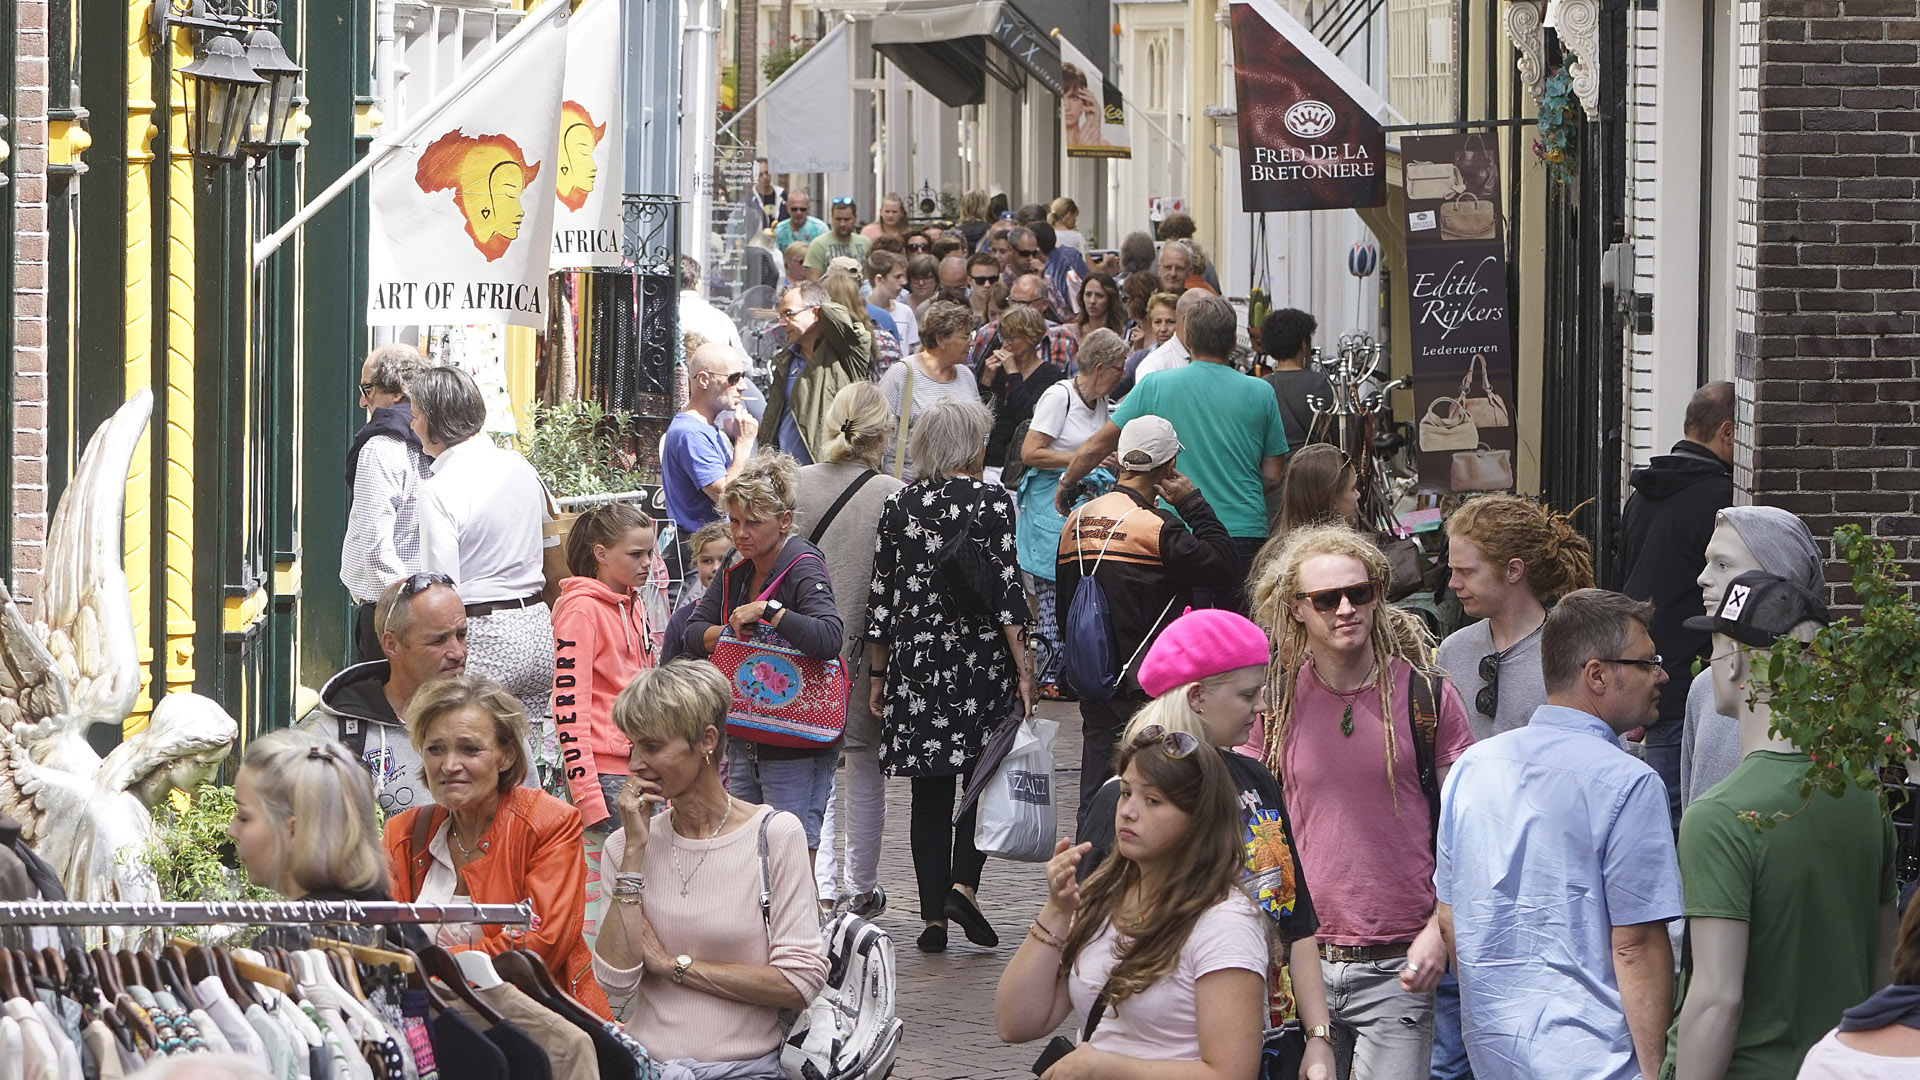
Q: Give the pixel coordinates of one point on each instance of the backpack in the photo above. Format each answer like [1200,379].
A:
[849,1031]
[1423,693]
[1086,638]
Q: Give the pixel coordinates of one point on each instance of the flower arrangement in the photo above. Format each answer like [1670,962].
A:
[1559,111]
[1850,697]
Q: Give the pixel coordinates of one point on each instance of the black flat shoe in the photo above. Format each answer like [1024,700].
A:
[933,939]
[967,914]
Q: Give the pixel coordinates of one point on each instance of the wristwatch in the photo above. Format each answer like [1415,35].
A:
[1317,1031]
[772,612]
[680,965]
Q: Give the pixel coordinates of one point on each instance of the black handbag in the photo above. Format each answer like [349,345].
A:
[964,571]
[1283,1051]
[1478,170]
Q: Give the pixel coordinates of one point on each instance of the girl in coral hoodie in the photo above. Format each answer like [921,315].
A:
[605,630]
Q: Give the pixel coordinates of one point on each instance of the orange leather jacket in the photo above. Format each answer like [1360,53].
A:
[532,852]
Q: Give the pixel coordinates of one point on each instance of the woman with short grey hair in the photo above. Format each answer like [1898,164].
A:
[482,518]
[945,665]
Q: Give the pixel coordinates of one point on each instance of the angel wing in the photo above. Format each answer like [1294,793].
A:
[94,839]
[84,610]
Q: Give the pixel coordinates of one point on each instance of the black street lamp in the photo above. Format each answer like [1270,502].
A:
[267,123]
[225,86]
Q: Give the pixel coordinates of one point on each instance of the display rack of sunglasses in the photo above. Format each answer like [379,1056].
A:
[251,913]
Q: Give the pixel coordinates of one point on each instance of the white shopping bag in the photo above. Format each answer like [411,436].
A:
[1016,807]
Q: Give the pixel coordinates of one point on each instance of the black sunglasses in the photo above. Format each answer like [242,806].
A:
[1028,253]
[414,585]
[1488,698]
[988,280]
[919,247]
[1653,662]
[792,210]
[1177,744]
[1329,599]
[732,376]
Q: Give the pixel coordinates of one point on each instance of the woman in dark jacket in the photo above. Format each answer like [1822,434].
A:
[799,612]
[943,679]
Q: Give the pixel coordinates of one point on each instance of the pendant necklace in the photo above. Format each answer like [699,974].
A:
[686,881]
[1347,697]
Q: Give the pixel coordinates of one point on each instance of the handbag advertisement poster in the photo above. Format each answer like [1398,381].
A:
[1457,307]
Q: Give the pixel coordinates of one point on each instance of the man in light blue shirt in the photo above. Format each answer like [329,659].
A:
[1555,866]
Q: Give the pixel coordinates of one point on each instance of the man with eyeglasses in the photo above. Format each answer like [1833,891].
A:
[843,241]
[697,458]
[827,350]
[385,467]
[1058,347]
[798,228]
[1555,871]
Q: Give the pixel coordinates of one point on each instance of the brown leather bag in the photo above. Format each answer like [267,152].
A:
[1488,409]
[1482,469]
[1466,218]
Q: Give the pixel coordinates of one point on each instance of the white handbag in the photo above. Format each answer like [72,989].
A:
[1427,180]
[1454,430]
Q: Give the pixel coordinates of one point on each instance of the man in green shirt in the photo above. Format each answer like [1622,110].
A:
[1790,924]
[1229,423]
[842,240]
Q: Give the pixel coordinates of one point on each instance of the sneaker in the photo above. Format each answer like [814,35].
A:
[870,905]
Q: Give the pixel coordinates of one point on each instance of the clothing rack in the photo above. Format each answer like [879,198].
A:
[274,913]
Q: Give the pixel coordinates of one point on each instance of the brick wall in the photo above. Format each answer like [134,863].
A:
[29,444]
[1835,363]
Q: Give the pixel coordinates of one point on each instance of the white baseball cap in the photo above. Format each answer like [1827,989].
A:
[1146,443]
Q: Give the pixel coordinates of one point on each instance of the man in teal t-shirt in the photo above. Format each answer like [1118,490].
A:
[1232,439]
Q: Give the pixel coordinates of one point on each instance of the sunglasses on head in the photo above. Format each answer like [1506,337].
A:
[843,201]
[413,586]
[1329,599]
[1176,744]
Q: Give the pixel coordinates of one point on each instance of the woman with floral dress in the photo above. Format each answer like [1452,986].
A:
[943,679]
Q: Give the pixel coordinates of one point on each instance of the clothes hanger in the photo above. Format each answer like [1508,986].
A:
[9,981]
[129,967]
[105,973]
[172,964]
[478,968]
[440,964]
[347,971]
[416,979]
[255,968]
[526,970]
[229,972]
[36,965]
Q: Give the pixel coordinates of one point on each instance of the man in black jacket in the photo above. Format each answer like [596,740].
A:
[1149,562]
[1663,544]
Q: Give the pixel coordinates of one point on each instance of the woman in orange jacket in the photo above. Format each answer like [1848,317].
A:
[489,840]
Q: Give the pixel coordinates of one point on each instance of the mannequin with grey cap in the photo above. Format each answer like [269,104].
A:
[1777,918]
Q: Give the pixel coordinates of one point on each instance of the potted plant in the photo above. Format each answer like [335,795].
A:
[578,448]
[191,856]
[1849,698]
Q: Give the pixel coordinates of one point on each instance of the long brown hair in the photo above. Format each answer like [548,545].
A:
[1397,634]
[1116,304]
[1317,475]
[605,524]
[1206,868]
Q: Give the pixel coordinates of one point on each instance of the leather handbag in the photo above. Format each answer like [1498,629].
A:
[968,576]
[781,696]
[1482,469]
[1466,218]
[1427,180]
[1455,430]
[1477,166]
[1488,409]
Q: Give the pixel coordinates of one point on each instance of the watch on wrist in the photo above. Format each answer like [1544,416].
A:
[1321,1031]
[680,965]
[773,610]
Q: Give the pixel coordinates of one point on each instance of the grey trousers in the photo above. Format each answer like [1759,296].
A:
[1380,1032]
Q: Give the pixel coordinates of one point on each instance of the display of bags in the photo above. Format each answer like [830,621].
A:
[1477,166]
[781,696]
[1487,408]
[1448,429]
[1426,180]
[1482,469]
[1467,218]
[1016,814]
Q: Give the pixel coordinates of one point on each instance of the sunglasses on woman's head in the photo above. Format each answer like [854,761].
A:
[1176,744]
[1329,599]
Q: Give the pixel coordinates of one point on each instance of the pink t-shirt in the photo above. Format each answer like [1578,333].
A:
[1368,861]
[1161,1022]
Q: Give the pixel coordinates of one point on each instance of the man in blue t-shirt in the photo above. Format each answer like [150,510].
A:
[697,457]
[1233,440]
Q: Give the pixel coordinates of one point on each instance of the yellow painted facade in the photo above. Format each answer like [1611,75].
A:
[141,133]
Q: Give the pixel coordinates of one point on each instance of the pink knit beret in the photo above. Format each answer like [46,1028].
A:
[1199,644]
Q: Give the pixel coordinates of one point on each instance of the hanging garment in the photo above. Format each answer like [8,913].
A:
[461,1050]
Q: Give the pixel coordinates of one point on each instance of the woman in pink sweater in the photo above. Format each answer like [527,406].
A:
[685,940]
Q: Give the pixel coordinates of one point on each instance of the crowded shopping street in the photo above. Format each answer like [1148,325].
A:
[960,540]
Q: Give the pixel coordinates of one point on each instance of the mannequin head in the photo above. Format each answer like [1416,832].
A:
[1750,538]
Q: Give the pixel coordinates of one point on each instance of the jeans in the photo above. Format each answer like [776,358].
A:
[1662,749]
[943,851]
[798,785]
[1380,1032]
[1449,1048]
[1101,723]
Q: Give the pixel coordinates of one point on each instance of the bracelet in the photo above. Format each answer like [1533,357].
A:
[629,883]
[628,898]
[876,672]
[1049,930]
[1041,935]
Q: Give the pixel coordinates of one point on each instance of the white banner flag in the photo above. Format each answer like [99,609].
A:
[586,221]
[1093,119]
[463,212]
[808,111]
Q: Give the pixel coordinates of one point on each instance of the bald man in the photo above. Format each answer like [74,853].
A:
[698,457]
[953,272]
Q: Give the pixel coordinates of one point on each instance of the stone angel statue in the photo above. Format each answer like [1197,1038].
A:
[75,665]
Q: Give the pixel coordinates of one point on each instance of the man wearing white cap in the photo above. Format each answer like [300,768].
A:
[1149,562]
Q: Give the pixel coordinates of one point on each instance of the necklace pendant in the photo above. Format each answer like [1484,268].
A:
[1346,720]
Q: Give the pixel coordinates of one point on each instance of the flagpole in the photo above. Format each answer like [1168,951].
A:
[267,245]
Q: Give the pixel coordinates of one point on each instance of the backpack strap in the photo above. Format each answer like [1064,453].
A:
[1424,716]
[424,824]
[906,411]
[766,879]
[833,511]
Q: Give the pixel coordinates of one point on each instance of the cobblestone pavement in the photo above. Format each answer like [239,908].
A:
[946,999]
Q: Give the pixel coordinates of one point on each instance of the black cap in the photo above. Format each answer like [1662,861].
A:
[1760,607]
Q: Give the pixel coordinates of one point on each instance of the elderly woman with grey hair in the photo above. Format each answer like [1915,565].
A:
[385,466]
[945,667]
[482,514]
[1065,415]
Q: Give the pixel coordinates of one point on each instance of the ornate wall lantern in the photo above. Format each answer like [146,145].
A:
[224,87]
[242,93]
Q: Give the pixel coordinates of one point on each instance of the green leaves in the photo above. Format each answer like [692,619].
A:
[578,448]
[190,850]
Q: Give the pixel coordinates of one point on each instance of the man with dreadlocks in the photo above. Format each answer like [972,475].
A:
[1361,735]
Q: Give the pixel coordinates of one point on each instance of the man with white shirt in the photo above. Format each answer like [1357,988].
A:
[482,515]
[887,277]
[697,316]
[1174,353]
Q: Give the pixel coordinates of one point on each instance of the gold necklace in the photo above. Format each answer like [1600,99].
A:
[686,880]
